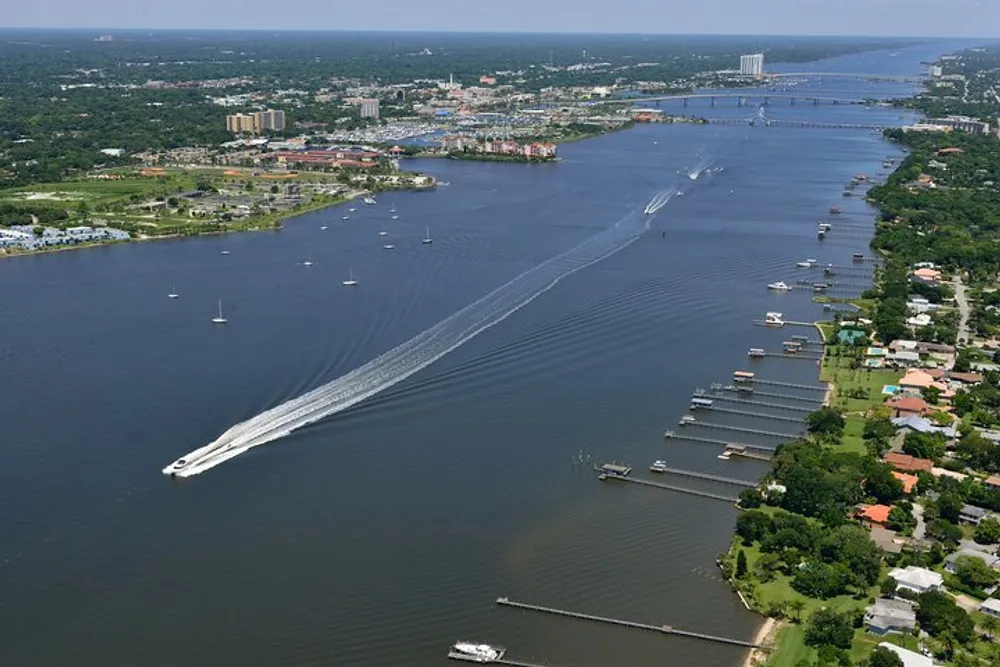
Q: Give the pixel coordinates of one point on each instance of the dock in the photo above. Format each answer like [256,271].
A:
[784,323]
[786,355]
[670,487]
[762,404]
[740,429]
[455,655]
[787,397]
[758,415]
[711,441]
[792,385]
[708,477]
[663,629]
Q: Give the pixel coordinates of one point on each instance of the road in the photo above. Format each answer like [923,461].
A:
[921,528]
[963,309]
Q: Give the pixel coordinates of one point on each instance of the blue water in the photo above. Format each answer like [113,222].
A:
[383,534]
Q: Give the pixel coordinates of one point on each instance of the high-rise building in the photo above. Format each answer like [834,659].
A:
[271,120]
[369,108]
[241,122]
[752,64]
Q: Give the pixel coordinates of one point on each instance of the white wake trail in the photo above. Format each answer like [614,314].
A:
[420,351]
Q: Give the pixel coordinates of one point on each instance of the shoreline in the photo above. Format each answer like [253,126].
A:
[765,635]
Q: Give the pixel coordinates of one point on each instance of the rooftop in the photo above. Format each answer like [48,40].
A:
[906,462]
[909,481]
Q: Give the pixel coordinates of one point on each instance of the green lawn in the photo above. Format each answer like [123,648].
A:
[790,648]
[837,370]
[94,191]
[852,441]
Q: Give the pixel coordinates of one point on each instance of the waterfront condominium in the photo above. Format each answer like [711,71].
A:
[752,64]
[271,120]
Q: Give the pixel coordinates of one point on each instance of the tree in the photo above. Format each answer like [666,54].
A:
[753,525]
[741,564]
[900,519]
[880,483]
[819,580]
[972,571]
[826,421]
[795,605]
[828,628]
[987,532]
[924,445]
[949,506]
[941,617]
[944,530]
[883,657]
[990,625]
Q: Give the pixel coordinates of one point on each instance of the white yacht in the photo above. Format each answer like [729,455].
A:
[308,262]
[370,201]
[383,233]
[427,236]
[223,252]
[323,228]
[395,217]
[658,466]
[478,652]
[774,319]
[219,319]
[779,286]
[388,246]
[806,264]
[350,282]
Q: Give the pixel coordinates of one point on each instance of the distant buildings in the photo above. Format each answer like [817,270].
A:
[964,123]
[752,64]
[369,108]
[270,120]
[505,147]
[25,238]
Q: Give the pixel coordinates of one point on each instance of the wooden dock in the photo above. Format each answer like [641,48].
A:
[751,402]
[740,429]
[711,478]
[785,355]
[711,441]
[766,394]
[670,487]
[663,629]
[758,415]
[791,385]
[455,655]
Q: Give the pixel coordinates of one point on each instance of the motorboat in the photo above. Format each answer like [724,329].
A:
[388,246]
[383,233]
[687,419]
[835,210]
[219,319]
[223,252]
[806,264]
[370,201]
[825,227]
[350,282]
[658,466]
[175,467]
[395,217]
[346,217]
[774,319]
[352,210]
[779,286]
[477,652]
[323,228]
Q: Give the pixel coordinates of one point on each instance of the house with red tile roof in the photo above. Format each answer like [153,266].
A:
[909,481]
[908,405]
[908,463]
[874,514]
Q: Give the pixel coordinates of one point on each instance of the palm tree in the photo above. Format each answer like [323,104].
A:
[990,625]
[796,606]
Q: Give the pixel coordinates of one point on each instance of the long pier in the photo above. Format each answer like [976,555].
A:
[758,415]
[740,429]
[762,404]
[787,323]
[455,655]
[663,629]
[787,397]
[783,355]
[711,478]
[711,441]
[669,487]
[790,385]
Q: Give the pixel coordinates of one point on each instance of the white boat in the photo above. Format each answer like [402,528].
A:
[687,419]
[393,209]
[350,282]
[220,319]
[347,217]
[370,201]
[388,246]
[173,293]
[395,217]
[323,228]
[308,262]
[658,466]
[806,264]
[779,286]
[383,233]
[427,236]
[774,319]
[223,252]
[478,652]
[352,210]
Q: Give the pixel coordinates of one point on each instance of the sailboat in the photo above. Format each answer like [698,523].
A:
[350,282]
[220,319]
[393,211]
[173,293]
[309,261]
[427,236]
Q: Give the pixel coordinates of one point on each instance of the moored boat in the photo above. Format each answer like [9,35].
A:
[476,652]
[779,286]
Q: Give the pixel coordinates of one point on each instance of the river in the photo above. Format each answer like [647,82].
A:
[385,533]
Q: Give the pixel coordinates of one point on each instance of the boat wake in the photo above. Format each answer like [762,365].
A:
[420,351]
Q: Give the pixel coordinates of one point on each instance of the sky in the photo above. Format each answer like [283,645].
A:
[933,18]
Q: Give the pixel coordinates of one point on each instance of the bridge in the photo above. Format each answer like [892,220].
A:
[846,75]
[742,99]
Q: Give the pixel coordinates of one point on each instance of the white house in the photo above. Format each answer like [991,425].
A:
[909,658]
[991,607]
[885,616]
[917,579]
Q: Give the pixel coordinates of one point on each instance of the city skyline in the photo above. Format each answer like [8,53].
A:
[905,18]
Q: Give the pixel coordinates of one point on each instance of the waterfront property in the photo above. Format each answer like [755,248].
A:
[917,579]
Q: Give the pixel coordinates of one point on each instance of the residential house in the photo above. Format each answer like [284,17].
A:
[887,540]
[908,406]
[907,657]
[951,562]
[916,379]
[916,579]
[923,425]
[874,514]
[921,320]
[993,481]
[909,482]
[885,616]
[903,359]
[908,463]
[990,607]
[972,514]
[929,276]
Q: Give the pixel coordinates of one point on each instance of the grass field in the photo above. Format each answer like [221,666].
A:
[837,370]
[93,191]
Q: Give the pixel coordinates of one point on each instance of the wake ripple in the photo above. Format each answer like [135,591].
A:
[420,351]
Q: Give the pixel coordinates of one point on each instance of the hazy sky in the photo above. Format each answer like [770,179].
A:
[973,18]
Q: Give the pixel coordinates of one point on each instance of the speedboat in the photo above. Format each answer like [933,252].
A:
[323,228]
[352,210]
[395,217]
[658,466]
[370,201]
[347,217]
[778,286]
[388,246]
[383,233]
[806,264]
[223,252]
[478,652]
[774,319]
[175,467]
[687,419]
